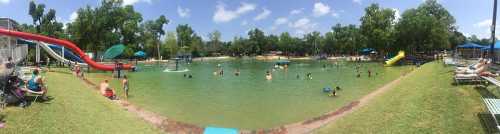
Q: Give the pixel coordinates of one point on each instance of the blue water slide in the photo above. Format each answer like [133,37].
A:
[67,53]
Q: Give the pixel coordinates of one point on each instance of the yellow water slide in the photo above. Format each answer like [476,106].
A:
[390,62]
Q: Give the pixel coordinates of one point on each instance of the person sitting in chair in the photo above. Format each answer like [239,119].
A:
[36,84]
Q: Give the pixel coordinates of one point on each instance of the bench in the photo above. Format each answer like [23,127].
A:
[493,106]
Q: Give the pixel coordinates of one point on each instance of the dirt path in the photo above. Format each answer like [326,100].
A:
[303,127]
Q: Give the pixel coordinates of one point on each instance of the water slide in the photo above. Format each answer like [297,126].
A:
[67,53]
[393,60]
[53,54]
[66,44]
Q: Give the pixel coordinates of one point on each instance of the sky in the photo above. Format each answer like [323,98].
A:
[236,17]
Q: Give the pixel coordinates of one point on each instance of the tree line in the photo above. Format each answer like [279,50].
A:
[426,28]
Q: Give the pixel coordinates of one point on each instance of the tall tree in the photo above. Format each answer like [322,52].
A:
[256,41]
[155,29]
[36,13]
[428,27]
[215,43]
[171,47]
[377,26]
[184,37]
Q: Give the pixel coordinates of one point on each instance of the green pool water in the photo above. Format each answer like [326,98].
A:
[249,101]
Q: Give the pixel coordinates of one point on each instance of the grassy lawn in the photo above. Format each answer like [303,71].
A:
[424,102]
[76,108]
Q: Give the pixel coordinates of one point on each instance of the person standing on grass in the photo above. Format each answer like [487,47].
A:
[125,85]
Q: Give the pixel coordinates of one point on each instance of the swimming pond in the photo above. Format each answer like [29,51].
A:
[249,101]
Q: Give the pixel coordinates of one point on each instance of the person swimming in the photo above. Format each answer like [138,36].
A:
[221,72]
[298,76]
[309,76]
[269,76]
[190,76]
[237,72]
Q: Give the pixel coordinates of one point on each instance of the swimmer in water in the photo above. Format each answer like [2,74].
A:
[190,76]
[269,76]
[298,76]
[237,72]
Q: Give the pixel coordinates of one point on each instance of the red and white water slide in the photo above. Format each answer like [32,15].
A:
[66,44]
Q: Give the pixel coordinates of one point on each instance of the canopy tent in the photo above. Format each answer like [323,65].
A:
[114,51]
[471,45]
[470,50]
[496,48]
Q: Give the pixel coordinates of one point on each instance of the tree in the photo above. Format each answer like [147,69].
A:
[154,28]
[256,41]
[171,47]
[377,26]
[184,37]
[313,43]
[285,43]
[426,28]
[271,43]
[237,46]
[36,13]
[215,43]
[196,46]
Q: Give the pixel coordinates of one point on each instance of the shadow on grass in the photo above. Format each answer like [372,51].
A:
[484,92]
[488,123]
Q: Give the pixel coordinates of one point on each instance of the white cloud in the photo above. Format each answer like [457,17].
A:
[483,24]
[335,14]
[320,9]
[4,1]
[296,11]
[244,23]
[302,26]
[73,16]
[224,15]
[132,2]
[183,12]
[265,13]
[280,21]
[357,1]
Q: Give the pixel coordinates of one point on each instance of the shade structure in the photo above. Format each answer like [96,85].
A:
[471,45]
[114,51]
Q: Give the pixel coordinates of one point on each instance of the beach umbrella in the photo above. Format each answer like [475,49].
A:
[141,54]
[114,51]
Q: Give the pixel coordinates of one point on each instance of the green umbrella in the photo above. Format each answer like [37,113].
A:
[114,51]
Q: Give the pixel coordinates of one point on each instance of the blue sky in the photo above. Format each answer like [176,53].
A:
[235,18]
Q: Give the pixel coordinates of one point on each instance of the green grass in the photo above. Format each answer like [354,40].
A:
[76,108]
[424,102]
